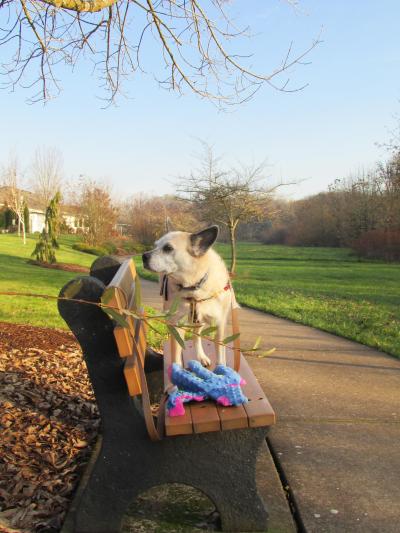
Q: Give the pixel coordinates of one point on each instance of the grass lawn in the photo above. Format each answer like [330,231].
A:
[17,275]
[327,288]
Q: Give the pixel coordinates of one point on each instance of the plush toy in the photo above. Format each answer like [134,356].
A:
[222,385]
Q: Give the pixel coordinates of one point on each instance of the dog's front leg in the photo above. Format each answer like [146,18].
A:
[198,345]
[220,348]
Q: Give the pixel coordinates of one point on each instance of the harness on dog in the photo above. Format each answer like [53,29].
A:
[192,301]
[195,287]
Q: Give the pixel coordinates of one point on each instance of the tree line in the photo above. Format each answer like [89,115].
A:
[361,212]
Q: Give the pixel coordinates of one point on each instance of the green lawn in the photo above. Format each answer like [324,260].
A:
[327,288]
[323,287]
[17,275]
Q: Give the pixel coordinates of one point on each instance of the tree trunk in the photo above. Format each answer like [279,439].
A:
[232,230]
[23,232]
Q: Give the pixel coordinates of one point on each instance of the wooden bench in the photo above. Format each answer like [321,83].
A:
[212,448]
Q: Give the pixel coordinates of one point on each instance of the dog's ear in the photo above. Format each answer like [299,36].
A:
[168,225]
[203,240]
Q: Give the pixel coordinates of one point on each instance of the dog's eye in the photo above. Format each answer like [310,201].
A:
[167,248]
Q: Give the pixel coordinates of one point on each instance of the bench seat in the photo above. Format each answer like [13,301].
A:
[201,417]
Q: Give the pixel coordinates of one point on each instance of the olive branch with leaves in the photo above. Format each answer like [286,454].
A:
[121,316]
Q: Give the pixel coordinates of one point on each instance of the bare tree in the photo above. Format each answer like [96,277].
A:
[14,195]
[98,211]
[46,171]
[147,216]
[227,197]
[194,39]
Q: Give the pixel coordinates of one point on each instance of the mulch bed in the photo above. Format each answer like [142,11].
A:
[48,424]
[68,267]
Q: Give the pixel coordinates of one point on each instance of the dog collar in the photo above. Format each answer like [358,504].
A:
[196,286]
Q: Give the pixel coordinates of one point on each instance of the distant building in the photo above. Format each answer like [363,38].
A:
[70,214]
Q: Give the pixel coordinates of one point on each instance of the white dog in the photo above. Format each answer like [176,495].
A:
[197,275]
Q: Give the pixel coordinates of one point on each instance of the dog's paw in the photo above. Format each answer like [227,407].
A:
[204,360]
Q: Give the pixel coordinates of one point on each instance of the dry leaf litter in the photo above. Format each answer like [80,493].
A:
[48,425]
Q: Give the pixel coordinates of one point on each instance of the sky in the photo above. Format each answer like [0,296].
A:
[328,130]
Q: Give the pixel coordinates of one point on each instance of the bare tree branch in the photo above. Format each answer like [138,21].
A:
[227,196]
[195,37]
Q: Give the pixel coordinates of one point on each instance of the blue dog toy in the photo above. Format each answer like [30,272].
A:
[222,385]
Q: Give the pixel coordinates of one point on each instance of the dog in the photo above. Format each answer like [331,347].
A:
[193,272]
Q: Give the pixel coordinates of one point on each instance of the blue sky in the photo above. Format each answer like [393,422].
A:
[325,131]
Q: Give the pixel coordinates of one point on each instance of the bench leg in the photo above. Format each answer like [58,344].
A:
[223,466]
[105,498]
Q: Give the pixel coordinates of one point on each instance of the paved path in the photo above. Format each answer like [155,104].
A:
[338,432]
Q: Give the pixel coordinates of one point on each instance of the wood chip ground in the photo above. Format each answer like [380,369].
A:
[48,423]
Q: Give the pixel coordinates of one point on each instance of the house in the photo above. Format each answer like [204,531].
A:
[70,214]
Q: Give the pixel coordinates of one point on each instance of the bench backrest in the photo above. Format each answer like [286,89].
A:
[123,292]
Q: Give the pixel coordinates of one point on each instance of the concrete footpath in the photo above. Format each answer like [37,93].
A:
[337,438]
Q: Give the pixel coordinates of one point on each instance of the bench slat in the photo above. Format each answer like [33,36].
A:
[132,376]
[124,278]
[258,409]
[120,294]
[124,341]
[232,417]
[117,299]
[205,415]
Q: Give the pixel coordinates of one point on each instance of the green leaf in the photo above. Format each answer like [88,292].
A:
[129,312]
[155,329]
[266,353]
[119,319]
[208,331]
[107,296]
[174,332]
[257,343]
[174,307]
[73,289]
[231,338]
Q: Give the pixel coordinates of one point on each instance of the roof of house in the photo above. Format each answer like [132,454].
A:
[34,203]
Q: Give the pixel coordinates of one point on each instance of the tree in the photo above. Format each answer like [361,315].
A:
[46,172]
[26,217]
[146,217]
[313,222]
[44,251]
[227,197]
[47,243]
[53,219]
[194,39]
[98,211]
[14,195]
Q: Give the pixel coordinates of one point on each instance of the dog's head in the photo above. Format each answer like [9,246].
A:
[177,251]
